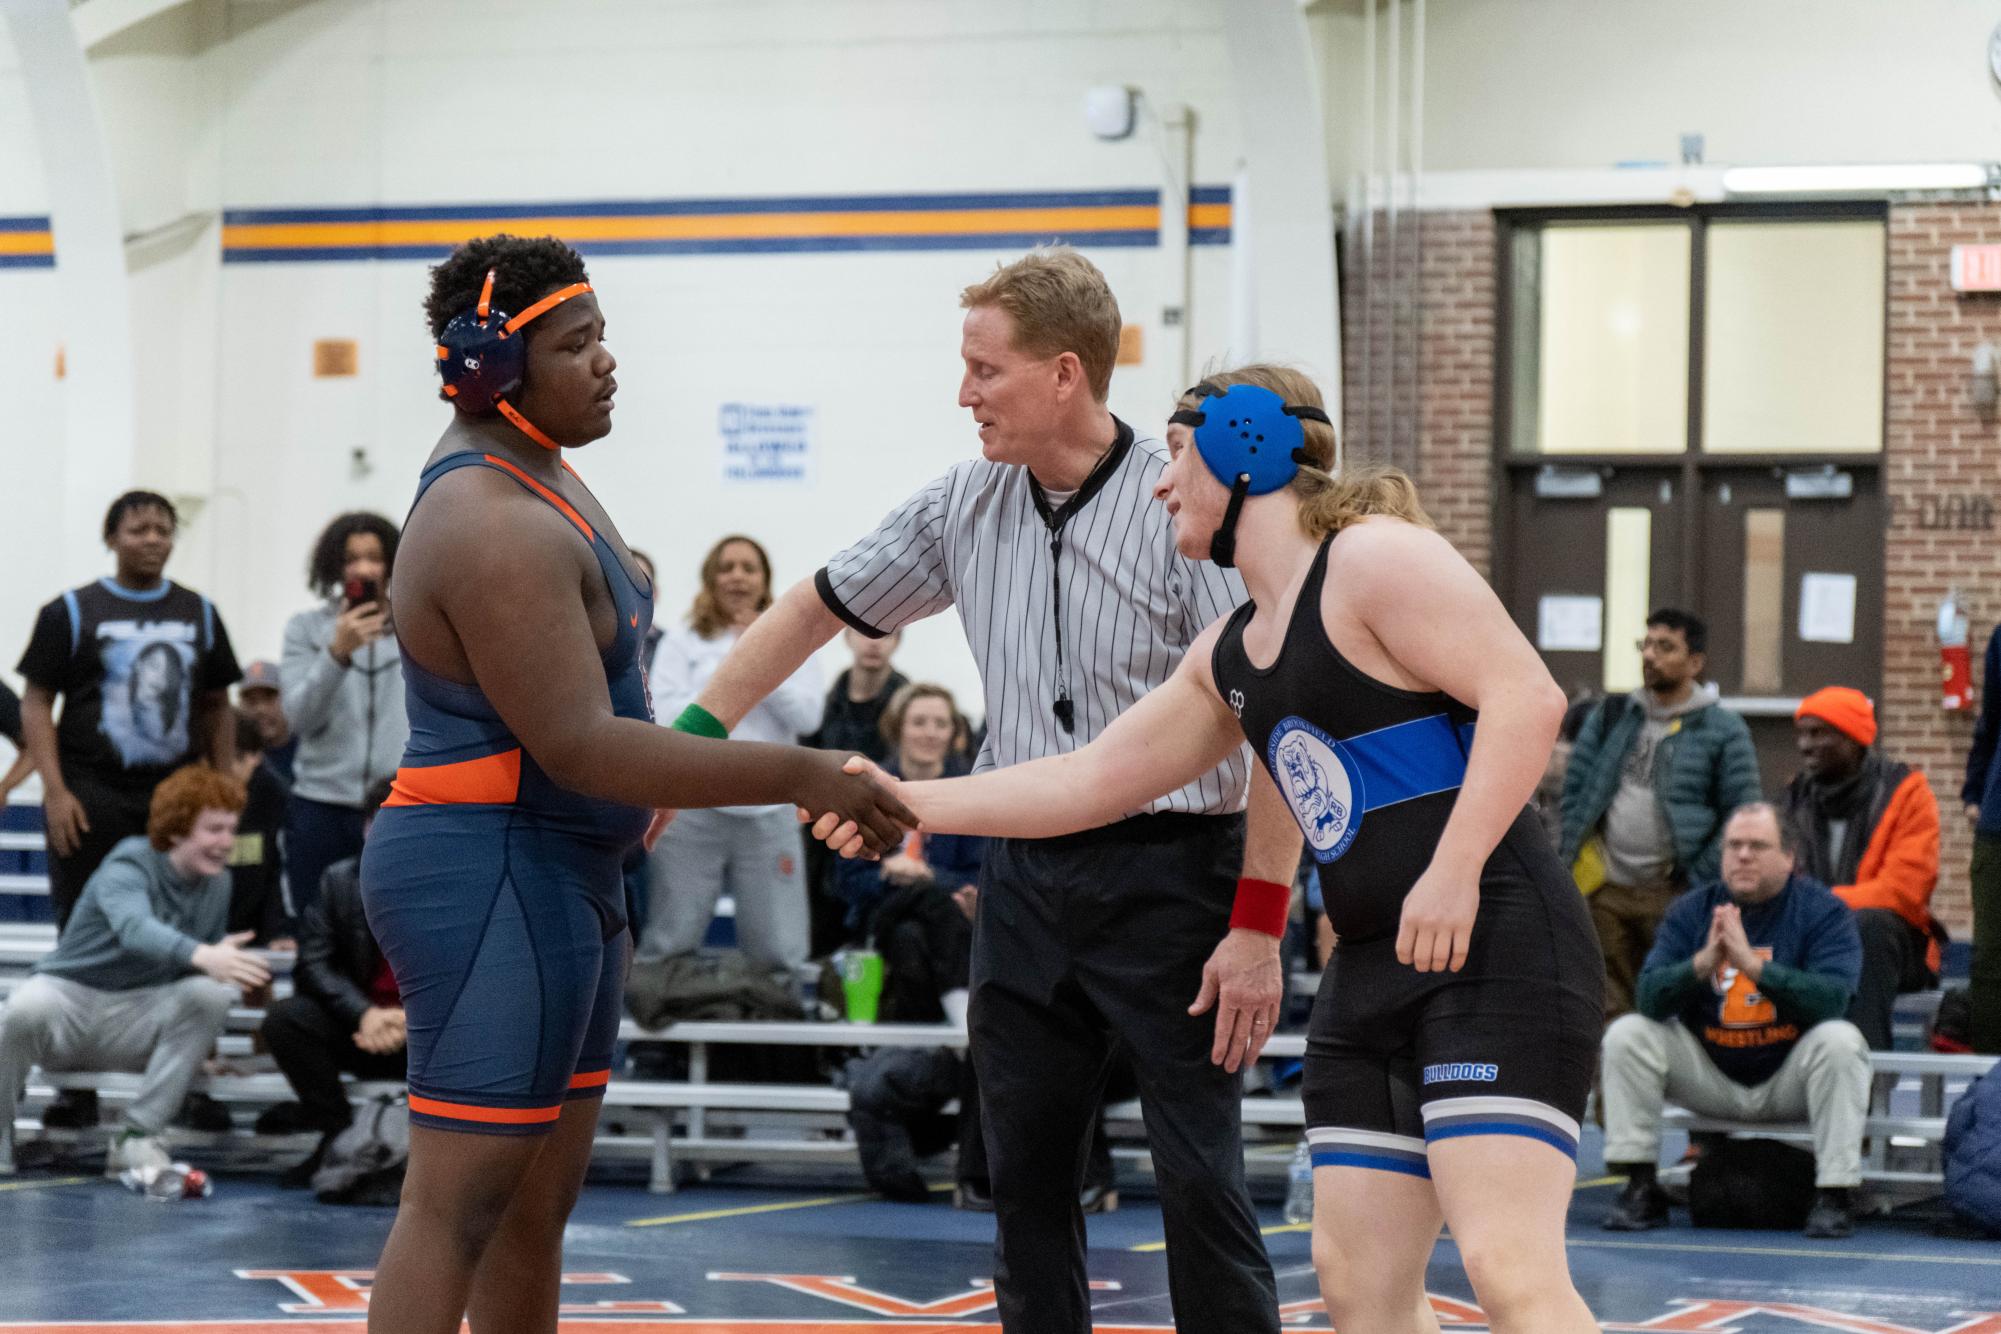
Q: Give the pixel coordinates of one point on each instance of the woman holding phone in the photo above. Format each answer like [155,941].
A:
[341,682]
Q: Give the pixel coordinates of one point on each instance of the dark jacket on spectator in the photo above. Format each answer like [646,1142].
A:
[1814,959]
[257,862]
[927,950]
[1983,757]
[1889,851]
[855,725]
[338,956]
[1704,769]
[954,860]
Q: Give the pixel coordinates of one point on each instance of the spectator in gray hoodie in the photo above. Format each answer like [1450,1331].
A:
[143,977]
[342,683]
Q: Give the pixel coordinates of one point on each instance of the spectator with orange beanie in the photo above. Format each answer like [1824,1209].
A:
[1868,826]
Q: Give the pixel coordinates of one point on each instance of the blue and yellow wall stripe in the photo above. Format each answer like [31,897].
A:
[26,243]
[727,226]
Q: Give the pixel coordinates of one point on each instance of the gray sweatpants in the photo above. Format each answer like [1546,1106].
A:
[163,1032]
[758,858]
[1825,1079]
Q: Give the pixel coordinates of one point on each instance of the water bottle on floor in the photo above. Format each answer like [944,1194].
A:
[1299,1186]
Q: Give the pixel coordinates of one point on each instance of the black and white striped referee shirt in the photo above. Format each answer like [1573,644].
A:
[980,537]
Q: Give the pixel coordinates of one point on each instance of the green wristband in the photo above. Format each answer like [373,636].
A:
[698,721]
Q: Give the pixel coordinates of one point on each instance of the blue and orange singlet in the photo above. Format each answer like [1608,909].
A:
[497,895]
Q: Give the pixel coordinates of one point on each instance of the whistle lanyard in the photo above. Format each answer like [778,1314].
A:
[1055,519]
[1065,708]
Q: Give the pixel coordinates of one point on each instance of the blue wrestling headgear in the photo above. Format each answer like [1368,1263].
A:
[1252,440]
[482,360]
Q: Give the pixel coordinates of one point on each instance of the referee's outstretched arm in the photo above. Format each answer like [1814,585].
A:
[775,646]
[1178,731]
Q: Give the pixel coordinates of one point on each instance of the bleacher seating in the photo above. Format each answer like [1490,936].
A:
[24,862]
[697,1121]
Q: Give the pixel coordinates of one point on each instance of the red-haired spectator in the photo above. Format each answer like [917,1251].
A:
[143,978]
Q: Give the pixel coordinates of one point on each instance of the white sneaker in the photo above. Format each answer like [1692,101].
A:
[130,1153]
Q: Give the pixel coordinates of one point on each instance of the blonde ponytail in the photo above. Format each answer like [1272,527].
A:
[1329,503]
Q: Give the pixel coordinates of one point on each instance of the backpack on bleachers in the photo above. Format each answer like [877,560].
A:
[722,985]
[1751,1183]
[364,1164]
[1973,1155]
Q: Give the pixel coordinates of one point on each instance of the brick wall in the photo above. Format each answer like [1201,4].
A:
[1418,387]
[1419,366]
[1938,454]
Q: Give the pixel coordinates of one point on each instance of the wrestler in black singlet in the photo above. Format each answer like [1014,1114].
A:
[1397,1058]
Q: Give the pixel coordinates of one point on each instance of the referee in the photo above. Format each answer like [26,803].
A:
[1075,604]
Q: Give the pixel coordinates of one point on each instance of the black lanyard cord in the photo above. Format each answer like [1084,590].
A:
[1055,519]
[1065,708]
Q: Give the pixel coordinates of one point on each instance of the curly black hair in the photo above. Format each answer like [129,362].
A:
[526,269]
[328,561]
[138,500]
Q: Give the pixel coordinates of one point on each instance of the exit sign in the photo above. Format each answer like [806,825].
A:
[1976,268]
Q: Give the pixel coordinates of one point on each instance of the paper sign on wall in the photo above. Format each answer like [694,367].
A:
[1566,623]
[767,444]
[1827,608]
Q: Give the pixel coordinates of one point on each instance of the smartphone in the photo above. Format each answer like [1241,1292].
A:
[360,591]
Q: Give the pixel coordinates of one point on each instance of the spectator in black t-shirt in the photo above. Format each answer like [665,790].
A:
[143,667]
[852,723]
[257,862]
[10,728]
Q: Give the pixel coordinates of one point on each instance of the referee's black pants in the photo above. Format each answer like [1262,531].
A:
[1081,942]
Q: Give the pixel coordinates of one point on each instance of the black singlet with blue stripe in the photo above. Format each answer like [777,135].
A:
[1397,1059]
[1370,771]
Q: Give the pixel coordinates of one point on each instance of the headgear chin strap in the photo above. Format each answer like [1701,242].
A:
[1252,440]
[481,360]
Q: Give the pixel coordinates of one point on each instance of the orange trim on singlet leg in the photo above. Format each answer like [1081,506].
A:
[567,510]
[499,1116]
[490,780]
[590,1079]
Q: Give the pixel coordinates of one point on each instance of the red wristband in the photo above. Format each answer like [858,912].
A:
[1262,905]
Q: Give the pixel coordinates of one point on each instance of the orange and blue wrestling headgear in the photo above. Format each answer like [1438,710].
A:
[483,356]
